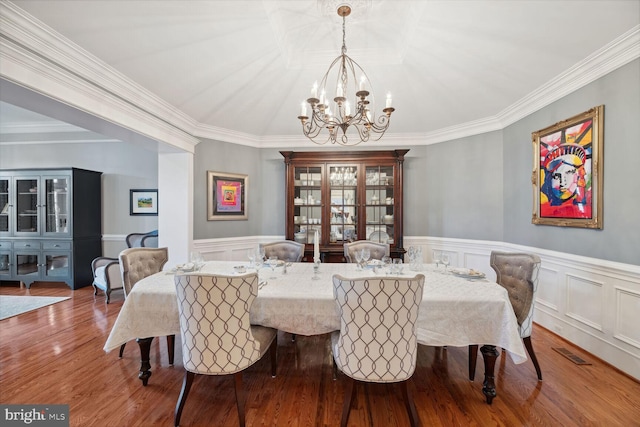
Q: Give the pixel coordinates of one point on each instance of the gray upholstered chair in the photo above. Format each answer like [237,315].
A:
[377,250]
[518,273]
[285,250]
[377,340]
[217,337]
[142,240]
[135,265]
[106,271]
[106,276]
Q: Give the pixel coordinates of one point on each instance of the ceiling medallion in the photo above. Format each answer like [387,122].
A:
[345,124]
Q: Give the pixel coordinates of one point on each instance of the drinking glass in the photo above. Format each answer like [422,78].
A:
[397,266]
[260,252]
[197,260]
[366,254]
[445,261]
[273,262]
[386,262]
[251,254]
[359,259]
[437,256]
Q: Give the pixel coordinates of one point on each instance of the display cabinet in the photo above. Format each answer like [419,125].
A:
[343,197]
[50,225]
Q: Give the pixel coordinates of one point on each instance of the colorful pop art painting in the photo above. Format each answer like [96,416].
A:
[568,170]
[226,196]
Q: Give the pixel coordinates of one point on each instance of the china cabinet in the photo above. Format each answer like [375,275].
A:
[50,225]
[342,197]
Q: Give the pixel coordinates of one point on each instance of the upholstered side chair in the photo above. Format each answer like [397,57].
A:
[135,265]
[377,340]
[106,276]
[285,250]
[518,273]
[377,250]
[217,337]
[142,240]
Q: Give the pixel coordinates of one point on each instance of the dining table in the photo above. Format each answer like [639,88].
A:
[456,310]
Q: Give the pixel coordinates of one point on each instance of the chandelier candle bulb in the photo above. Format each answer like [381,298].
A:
[388,105]
[314,90]
[362,80]
[339,91]
[303,109]
[347,108]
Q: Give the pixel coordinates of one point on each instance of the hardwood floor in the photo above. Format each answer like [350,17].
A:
[54,355]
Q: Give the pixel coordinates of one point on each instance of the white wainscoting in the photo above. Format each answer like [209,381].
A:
[590,302]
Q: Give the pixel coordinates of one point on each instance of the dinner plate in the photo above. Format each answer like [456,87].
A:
[379,236]
[467,273]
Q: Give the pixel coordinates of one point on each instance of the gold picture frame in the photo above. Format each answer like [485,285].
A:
[568,171]
[227,195]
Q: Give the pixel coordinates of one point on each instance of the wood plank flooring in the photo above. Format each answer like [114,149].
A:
[54,355]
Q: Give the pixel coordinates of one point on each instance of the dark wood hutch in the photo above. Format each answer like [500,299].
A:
[344,196]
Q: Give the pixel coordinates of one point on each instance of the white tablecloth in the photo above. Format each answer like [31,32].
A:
[454,311]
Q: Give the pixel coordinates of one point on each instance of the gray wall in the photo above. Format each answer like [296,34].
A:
[619,240]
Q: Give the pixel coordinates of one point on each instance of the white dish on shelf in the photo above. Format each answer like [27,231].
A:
[379,236]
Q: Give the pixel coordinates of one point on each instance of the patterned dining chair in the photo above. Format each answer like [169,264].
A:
[377,340]
[377,250]
[518,273]
[135,265]
[285,250]
[217,338]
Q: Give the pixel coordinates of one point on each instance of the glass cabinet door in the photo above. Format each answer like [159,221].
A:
[57,205]
[57,265]
[26,216]
[4,205]
[343,186]
[27,265]
[5,266]
[379,193]
[307,203]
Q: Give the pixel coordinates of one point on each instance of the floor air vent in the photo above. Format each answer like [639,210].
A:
[574,358]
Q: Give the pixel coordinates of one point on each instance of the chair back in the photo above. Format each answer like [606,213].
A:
[138,263]
[285,250]
[142,240]
[214,322]
[378,315]
[518,274]
[377,250]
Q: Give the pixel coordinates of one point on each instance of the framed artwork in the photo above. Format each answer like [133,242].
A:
[143,202]
[226,196]
[567,171]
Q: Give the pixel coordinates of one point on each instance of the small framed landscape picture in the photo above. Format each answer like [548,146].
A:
[226,196]
[143,202]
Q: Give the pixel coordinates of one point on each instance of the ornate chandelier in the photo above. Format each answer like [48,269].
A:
[345,120]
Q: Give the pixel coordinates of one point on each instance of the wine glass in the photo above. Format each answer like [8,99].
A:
[273,262]
[386,262]
[445,261]
[197,260]
[366,254]
[358,255]
[437,256]
[251,254]
[397,265]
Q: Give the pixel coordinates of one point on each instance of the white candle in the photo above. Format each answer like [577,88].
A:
[347,108]
[339,91]
[388,100]
[323,97]
[314,90]
[362,80]
[303,109]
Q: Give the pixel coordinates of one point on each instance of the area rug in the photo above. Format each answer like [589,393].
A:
[11,305]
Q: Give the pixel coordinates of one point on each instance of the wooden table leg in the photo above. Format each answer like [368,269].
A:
[490,355]
[145,364]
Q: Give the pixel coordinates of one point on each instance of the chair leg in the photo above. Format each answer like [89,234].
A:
[473,358]
[171,347]
[532,354]
[108,294]
[273,355]
[121,350]
[186,386]
[334,367]
[240,397]
[408,401]
[348,397]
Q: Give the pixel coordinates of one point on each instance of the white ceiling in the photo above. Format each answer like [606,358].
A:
[246,66]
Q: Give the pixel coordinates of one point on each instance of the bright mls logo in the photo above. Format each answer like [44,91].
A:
[36,415]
